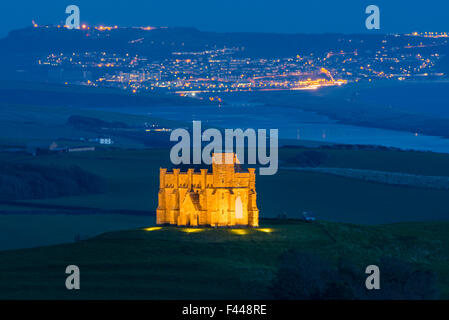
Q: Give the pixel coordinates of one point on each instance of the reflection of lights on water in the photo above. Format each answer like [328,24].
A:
[239,231]
[152,228]
[191,230]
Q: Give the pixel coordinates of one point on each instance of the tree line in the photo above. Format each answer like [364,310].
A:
[19,181]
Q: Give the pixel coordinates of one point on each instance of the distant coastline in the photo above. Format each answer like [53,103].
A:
[335,103]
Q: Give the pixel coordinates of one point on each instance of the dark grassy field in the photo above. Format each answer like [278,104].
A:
[412,162]
[177,263]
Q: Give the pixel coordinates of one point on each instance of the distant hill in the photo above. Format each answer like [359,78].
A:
[162,42]
[19,61]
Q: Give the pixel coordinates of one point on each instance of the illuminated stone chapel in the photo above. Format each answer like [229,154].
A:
[224,197]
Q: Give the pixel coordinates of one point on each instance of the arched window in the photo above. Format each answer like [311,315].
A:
[238,208]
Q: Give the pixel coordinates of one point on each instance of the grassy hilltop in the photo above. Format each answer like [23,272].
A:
[169,263]
[177,263]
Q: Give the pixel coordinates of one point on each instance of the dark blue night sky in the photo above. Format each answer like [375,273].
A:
[292,16]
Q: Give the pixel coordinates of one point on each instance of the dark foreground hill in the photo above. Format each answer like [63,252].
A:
[204,263]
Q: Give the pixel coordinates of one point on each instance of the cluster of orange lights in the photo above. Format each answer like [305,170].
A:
[431,34]
[99,28]
[108,65]
[215,98]
[102,28]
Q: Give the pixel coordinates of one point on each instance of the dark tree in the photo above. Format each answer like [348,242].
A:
[26,181]
[302,276]
[307,276]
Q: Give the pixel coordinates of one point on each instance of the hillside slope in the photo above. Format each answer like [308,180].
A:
[177,263]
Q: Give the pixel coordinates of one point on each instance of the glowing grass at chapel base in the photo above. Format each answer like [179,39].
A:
[240,232]
[191,230]
[196,230]
[152,228]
